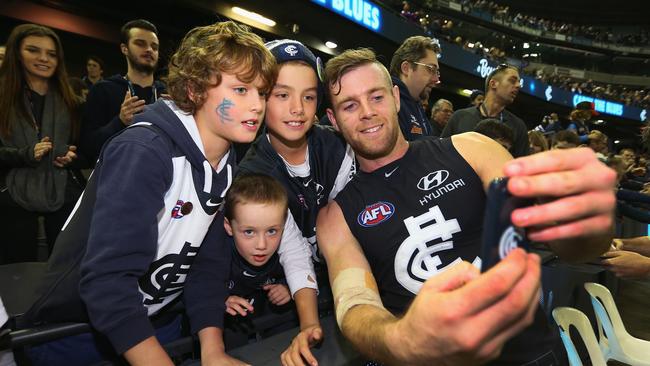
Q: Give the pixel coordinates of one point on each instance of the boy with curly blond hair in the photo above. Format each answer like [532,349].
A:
[150,221]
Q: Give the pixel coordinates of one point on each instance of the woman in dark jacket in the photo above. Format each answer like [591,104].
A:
[38,126]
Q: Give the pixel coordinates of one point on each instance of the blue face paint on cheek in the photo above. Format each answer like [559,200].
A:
[223,110]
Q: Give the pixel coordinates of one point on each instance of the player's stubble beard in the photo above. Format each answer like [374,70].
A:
[374,150]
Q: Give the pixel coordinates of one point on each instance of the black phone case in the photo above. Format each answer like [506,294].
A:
[500,236]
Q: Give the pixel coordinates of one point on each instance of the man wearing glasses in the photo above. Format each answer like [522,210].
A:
[414,69]
[501,88]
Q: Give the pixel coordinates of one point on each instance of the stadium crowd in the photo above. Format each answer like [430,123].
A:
[453,31]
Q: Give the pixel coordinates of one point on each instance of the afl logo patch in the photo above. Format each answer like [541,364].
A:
[375,214]
[180,209]
[432,180]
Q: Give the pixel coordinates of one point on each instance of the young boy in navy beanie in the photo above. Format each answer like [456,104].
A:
[311,161]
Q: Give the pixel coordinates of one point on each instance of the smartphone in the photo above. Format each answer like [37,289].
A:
[500,236]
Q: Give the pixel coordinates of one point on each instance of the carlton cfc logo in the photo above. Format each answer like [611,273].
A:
[375,214]
[291,50]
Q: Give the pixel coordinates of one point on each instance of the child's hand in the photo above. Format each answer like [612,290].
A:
[278,294]
[237,305]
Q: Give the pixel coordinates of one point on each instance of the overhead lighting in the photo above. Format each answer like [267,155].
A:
[526,45]
[466,92]
[470,45]
[253,16]
[330,44]
[617,141]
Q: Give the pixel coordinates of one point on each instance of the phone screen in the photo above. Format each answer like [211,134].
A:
[500,236]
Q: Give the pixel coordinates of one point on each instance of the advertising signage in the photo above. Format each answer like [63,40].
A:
[456,57]
[362,12]
[557,95]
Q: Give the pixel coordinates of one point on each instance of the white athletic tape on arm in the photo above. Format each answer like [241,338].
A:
[352,287]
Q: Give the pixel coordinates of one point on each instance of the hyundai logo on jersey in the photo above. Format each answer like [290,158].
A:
[375,214]
[432,180]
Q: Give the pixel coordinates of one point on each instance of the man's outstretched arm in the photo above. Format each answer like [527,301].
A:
[458,318]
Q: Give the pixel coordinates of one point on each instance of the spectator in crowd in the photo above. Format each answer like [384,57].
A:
[149,230]
[628,155]
[629,258]
[414,69]
[565,139]
[39,124]
[94,70]
[615,162]
[633,170]
[3,49]
[393,301]
[440,114]
[112,103]
[79,88]
[550,124]
[476,98]
[501,87]
[497,131]
[645,135]
[633,198]
[254,217]
[538,142]
[577,124]
[598,142]
[579,118]
[624,165]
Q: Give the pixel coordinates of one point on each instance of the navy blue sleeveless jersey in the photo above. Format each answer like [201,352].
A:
[418,216]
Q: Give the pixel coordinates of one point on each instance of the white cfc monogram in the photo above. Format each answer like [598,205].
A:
[415,261]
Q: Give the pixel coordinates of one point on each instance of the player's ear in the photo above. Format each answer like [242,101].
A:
[226,225]
[332,118]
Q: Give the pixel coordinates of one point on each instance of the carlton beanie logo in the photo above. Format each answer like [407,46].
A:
[291,50]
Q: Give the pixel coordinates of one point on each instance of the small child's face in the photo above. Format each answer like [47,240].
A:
[291,107]
[233,110]
[257,230]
